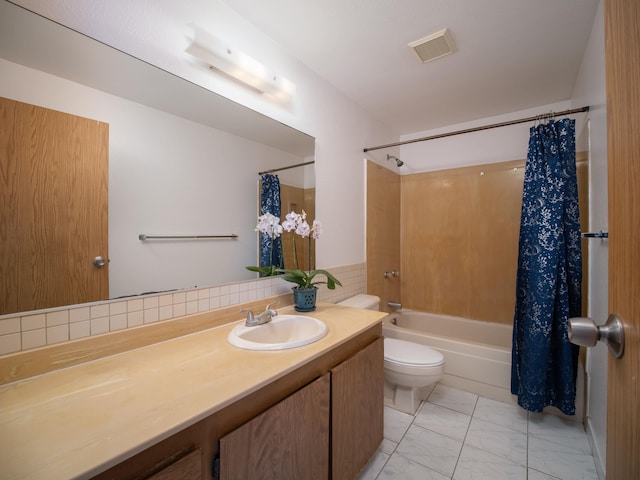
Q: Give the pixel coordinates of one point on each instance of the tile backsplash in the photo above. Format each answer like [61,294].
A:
[27,330]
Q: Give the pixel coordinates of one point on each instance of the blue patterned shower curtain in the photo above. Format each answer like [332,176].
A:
[270,203]
[549,278]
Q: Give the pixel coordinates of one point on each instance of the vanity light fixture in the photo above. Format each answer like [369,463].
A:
[211,50]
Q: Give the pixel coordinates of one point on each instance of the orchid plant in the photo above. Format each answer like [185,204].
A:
[270,226]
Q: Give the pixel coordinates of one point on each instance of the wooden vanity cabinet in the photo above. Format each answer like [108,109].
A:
[357,410]
[291,439]
[179,457]
[326,415]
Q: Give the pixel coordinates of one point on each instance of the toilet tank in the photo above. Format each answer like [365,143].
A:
[366,302]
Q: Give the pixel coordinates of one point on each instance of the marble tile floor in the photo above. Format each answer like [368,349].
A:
[460,435]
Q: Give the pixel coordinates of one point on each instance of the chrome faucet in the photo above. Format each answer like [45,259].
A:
[261,318]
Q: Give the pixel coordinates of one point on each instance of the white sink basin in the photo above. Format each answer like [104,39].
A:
[281,333]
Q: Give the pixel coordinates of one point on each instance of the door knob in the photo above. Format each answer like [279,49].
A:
[99,261]
[585,332]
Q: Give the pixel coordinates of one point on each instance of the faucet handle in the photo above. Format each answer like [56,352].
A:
[250,317]
[269,306]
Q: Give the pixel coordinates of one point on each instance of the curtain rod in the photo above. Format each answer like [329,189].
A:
[286,168]
[485,127]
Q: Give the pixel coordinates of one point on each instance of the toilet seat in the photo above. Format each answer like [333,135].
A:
[401,352]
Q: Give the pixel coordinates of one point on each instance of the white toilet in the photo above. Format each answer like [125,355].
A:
[410,369]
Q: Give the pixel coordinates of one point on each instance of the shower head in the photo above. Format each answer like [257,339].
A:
[399,162]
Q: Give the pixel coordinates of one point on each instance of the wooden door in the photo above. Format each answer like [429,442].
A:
[290,440]
[53,208]
[357,409]
[622,48]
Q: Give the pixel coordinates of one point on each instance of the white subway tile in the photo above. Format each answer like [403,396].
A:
[99,311]
[224,301]
[135,319]
[99,325]
[61,317]
[150,302]
[10,343]
[33,322]
[34,338]
[30,331]
[117,308]
[203,305]
[79,329]
[166,300]
[150,315]
[57,334]
[179,309]
[192,295]
[192,307]
[118,322]
[179,297]
[135,305]
[166,312]
[81,314]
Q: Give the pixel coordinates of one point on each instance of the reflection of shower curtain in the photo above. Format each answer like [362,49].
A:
[549,276]
[270,203]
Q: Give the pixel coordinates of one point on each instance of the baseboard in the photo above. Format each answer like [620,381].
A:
[597,454]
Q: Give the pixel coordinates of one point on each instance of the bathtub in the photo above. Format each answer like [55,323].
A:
[477,354]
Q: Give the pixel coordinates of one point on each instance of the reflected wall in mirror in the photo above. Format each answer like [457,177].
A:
[182,160]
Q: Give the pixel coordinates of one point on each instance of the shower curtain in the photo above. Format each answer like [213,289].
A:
[549,276]
[270,249]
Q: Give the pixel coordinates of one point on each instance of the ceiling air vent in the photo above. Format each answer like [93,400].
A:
[434,46]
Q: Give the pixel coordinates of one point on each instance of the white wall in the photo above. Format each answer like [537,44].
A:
[590,90]
[167,175]
[478,148]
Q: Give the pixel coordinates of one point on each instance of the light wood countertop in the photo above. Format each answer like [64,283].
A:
[81,420]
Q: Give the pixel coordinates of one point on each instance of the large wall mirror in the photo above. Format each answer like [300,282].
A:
[182,161]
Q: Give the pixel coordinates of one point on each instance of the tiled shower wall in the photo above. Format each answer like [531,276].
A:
[459,239]
[29,330]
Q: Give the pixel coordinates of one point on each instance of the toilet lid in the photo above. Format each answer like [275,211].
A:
[410,353]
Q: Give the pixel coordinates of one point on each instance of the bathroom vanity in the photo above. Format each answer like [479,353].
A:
[192,405]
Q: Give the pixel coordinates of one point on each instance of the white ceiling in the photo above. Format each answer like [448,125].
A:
[511,54]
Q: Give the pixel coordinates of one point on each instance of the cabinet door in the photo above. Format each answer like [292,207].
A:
[357,408]
[288,441]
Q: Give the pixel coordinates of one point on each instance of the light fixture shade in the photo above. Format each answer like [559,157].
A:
[212,51]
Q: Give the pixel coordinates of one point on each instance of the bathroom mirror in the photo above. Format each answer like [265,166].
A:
[182,160]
